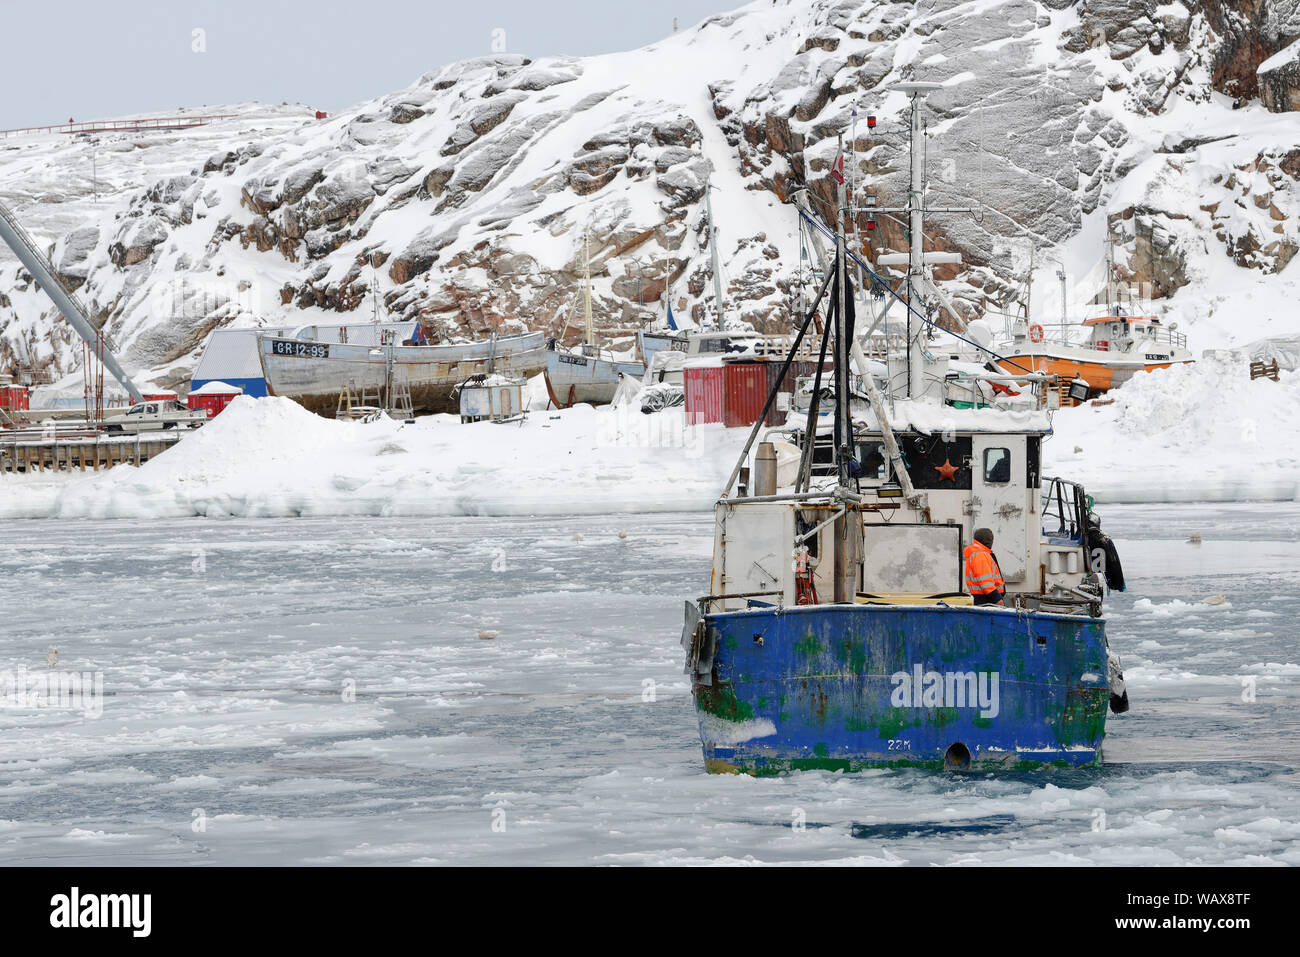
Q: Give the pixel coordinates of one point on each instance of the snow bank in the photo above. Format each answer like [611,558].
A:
[270,457]
[1203,432]
[1200,432]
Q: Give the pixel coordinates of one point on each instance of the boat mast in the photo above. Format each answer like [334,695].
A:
[918,280]
[845,569]
[1112,285]
[586,306]
[1029,281]
[916,250]
[713,253]
[843,441]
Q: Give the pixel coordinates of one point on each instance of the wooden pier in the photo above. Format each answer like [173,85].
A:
[34,451]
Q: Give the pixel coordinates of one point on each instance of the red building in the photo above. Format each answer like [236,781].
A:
[214,397]
[13,398]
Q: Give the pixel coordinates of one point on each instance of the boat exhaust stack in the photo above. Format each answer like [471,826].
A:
[765,469]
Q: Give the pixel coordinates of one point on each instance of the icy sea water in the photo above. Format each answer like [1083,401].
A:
[315,691]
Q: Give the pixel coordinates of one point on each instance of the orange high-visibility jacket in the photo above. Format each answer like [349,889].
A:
[982,572]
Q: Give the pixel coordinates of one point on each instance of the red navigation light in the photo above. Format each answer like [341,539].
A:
[871,122]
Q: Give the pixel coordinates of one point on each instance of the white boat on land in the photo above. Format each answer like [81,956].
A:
[576,375]
[1118,346]
[664,364]
[587,373]
[315,373]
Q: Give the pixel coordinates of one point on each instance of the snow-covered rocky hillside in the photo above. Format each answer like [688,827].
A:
[464,198]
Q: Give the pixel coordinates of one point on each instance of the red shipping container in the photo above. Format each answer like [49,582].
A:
[14,398]
[745,387]
[703,394]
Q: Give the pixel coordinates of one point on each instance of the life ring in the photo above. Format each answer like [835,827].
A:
[1035,333]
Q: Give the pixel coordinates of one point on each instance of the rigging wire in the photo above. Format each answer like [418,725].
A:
[878,280]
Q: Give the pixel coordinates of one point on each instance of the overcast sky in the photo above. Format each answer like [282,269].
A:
[86,59]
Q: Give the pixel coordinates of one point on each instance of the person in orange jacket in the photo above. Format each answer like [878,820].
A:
[983,576]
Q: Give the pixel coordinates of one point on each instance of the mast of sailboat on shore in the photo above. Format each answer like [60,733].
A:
[713,253]
[586,289]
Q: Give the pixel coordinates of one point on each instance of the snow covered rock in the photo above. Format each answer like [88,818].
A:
[1279,80]
[463,199]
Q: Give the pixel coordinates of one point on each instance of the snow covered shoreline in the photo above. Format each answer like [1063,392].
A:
[1203,432]
[269,457]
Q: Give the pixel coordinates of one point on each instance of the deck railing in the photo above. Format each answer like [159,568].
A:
[111,126]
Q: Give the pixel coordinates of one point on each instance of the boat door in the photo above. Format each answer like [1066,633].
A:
[998,475]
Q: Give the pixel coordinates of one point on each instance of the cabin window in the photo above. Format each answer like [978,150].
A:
[152,409]
[935,464]
[997,466]
[871,457]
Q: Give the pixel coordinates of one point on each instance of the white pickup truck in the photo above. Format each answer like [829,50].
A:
[156,415]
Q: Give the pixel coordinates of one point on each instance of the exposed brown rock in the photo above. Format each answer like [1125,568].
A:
[1279,88]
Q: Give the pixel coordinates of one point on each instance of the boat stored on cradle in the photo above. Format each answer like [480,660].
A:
[586,374]
[315,373]
[1117,347]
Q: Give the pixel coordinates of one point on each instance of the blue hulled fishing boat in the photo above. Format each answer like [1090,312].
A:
[838,632]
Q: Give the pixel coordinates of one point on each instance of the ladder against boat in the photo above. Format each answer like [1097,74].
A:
[356,404]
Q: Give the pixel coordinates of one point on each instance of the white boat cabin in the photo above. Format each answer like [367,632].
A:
[1143,338]
[909,551]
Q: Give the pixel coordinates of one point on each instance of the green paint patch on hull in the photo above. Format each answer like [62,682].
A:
[809,646]
[894,720]
[721,702]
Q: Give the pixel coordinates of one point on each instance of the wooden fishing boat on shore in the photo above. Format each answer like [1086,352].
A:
[315,373]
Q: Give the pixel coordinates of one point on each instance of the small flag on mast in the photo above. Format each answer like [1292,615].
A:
[837,169]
